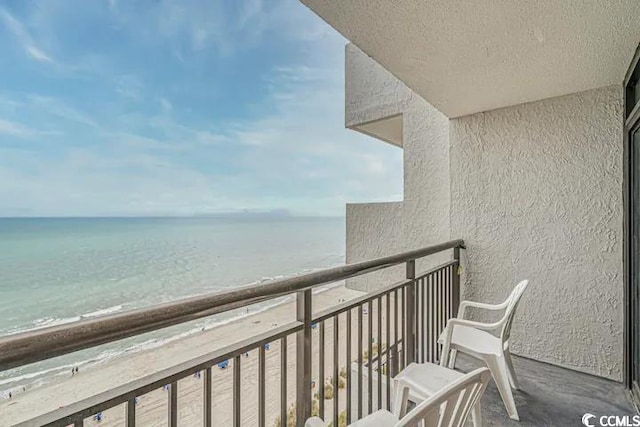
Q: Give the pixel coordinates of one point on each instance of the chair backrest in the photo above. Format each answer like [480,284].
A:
[510,312]
[451,406]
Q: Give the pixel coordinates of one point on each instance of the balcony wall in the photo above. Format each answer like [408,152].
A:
[373,95]
[536,192]
[374,230]
[371,92]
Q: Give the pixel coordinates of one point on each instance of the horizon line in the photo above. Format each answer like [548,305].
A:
[194,216]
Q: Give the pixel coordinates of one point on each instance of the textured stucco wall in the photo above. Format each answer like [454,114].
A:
[374,230]
[536,192]
[426,175]
[372,93]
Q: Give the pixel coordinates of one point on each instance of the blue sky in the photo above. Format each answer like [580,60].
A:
[177,108]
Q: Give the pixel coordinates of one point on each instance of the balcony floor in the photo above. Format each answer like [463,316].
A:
[551,396]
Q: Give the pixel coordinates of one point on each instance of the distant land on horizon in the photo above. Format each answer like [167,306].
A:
[242,214]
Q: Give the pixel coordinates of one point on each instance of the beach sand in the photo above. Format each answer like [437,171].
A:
[152,408]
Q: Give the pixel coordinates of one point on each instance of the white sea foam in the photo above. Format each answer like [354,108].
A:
[45,375]
[46,322]
[17,382]
[104,311]
[36,374]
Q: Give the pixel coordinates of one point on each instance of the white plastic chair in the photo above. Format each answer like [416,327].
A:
[473,338]
[424,380]
[449,407]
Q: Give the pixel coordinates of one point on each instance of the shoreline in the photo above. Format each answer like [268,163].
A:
[127,367]
[62,370]
[48,375]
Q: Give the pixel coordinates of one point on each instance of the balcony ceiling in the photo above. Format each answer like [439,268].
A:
[478,55]
[388,129]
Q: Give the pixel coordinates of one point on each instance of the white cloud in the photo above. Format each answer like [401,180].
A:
[168,159]
[14,129]
[300,149]
[166,105]
[61,109]
[210,24]
[23,37]
[38,54]
[138,141]
[86,182]
[175,133]
[21,131]
[128,86]
[251,9]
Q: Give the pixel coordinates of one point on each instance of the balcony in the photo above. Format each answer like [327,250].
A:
[332,360]
[552,396]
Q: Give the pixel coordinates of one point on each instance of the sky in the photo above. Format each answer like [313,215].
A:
[117,107]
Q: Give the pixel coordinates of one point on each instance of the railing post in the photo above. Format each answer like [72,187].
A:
[173,404]
[131,413]
[410,317]
[237,395]
[456,281]
[303,358]
[208,403]
[393,356]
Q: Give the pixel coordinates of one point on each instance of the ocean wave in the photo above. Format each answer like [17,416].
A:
[17,382]
[45,375]
[104,311]
[46,322]
[31,375]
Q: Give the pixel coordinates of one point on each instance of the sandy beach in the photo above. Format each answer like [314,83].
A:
[152,410]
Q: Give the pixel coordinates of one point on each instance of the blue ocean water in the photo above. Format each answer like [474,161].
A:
[61,270]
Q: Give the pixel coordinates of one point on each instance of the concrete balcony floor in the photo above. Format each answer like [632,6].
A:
[551,396]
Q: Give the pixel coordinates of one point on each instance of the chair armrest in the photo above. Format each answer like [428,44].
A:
[448,333]
[315,422]
[415,388]
[472,323]
[482,305]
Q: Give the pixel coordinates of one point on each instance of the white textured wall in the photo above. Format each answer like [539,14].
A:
[426,175]
[536,192]
[372,93]
[374,230]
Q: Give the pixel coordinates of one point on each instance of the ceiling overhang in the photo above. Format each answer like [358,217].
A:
[465,57]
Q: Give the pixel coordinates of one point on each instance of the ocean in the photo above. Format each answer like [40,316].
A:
[61,270]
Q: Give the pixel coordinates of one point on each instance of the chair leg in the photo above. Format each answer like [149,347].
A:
[444,354]
[498,368]
[452,359]
[397,398]
[476,414]
[513,380]
[400,399]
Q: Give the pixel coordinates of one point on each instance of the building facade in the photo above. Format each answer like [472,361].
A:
[512,122]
